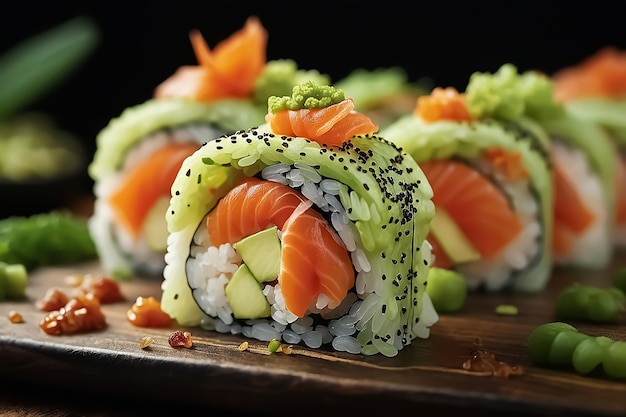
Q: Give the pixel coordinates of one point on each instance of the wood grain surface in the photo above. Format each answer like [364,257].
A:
[214,374]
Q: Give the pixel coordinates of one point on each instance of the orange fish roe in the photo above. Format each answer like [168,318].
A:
[510,163]
[442,104]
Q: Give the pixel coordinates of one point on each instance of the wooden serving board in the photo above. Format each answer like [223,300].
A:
[425,376]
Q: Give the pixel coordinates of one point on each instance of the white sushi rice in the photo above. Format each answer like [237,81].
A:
[495,273]
[593,247]
[118,249]
[341,322]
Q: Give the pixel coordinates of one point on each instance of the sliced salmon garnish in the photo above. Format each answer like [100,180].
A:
[229,71]
[332,125]
[146,183]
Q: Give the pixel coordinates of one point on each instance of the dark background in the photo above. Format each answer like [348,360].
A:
[144,43]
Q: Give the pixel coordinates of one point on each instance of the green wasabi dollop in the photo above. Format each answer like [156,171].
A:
[279,76]
[307,95]
[508,95]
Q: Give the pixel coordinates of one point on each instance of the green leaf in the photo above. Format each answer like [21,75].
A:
[31,68]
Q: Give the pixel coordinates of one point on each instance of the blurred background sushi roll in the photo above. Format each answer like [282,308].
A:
[584,167]
[595,89]
[383,94]
[489,167]
[308,229]
[140,151]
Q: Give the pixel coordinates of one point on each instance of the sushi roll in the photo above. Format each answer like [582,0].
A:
[489,168]
[595,90]
[139,152]
[308,229]
[583,174]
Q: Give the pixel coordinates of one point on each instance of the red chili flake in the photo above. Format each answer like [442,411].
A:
[180,339]
[146,312]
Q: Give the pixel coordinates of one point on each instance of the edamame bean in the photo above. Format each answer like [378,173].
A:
[447,290]
[588,303]
[560,343]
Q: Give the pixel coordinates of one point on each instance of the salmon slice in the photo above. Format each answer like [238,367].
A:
[250,207]
[478,207]
[229,71]
[146,183]
[571,215]
[332,125]
[313,258]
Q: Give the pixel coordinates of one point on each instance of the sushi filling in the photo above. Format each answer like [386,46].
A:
[209,269]
[498,271]
[593,244]
[116,245]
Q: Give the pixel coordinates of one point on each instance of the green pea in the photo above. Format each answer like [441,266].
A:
[614,361]
[589,353]
[559,343]
[563,346]
[447,290]
[588,303]
[541,339]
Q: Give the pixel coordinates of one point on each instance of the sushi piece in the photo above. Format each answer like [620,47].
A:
[489,168]
[308,229]
[595,90]
[583,173]
[139,152]
[383,94]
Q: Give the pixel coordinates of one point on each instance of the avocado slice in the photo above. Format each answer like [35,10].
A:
[155,225]
[245,295]
[261,253]
[452,239]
